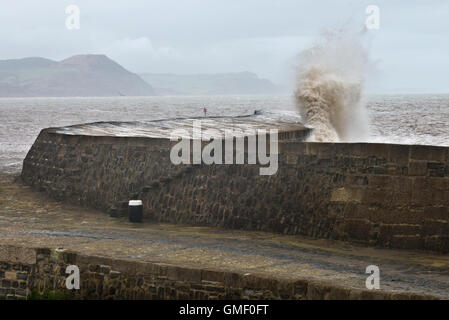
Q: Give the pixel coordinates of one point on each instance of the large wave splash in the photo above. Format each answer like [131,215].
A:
[330,87]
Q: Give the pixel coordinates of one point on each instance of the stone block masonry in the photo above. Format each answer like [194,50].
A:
[39,273]
[385,195]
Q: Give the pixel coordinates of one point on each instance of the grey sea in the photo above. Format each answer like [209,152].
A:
[403,119]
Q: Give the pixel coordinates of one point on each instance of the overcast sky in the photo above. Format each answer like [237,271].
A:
[210,36]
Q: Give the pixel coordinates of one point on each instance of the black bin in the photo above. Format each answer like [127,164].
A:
[135,211]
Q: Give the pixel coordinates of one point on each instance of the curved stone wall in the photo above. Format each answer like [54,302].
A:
[378,194]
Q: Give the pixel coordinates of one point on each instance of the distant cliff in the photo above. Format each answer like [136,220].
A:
[210,84]
[81,75]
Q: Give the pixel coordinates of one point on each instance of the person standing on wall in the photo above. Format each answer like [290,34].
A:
[205,112]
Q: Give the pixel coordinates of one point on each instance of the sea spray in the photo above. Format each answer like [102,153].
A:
[330,86]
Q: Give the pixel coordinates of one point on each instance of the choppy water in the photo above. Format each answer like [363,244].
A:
[409,119]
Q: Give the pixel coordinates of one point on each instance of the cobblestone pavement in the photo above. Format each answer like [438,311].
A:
[29,218]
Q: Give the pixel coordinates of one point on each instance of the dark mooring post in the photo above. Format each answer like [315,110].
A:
[135,211]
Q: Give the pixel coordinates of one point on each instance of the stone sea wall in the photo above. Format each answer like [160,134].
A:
[40,273]
[378,194]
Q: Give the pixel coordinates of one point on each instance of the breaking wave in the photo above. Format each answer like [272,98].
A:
[330,87]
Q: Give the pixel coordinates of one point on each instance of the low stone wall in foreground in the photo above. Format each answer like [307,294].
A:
[39,273]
